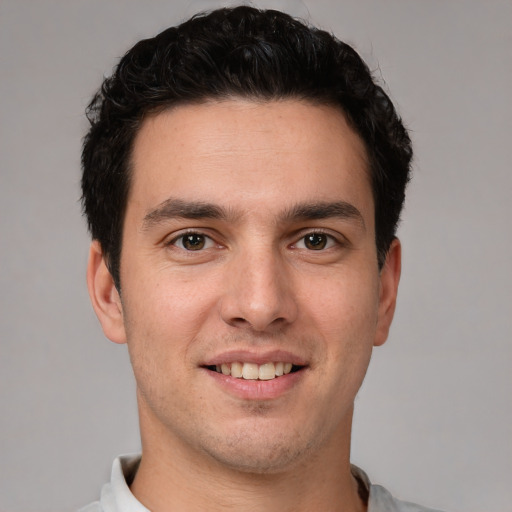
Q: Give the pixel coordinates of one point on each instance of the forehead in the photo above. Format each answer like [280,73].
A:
[258,152]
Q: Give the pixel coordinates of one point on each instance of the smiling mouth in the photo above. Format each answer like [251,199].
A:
[252,371]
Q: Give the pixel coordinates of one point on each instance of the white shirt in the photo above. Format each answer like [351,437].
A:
[117,497]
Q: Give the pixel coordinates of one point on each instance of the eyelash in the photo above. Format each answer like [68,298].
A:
[330,240]
[182,237]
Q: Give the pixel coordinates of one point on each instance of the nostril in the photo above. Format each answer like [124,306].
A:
[239,321]
[259,326]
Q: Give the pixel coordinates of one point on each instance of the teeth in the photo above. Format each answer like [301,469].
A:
[236,370]
[252,371]
[267,371]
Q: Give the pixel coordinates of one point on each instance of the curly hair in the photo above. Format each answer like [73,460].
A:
[239,52]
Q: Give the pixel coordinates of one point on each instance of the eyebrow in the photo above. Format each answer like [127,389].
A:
[173,208]
[177,208]
[324,210]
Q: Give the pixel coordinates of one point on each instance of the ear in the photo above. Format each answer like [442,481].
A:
[389,279]
[104,295]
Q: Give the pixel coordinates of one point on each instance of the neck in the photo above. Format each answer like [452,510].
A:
[172,476]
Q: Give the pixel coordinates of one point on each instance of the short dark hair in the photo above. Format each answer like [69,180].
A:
[239,52]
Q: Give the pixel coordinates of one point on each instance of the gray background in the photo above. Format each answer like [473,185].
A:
[434,417]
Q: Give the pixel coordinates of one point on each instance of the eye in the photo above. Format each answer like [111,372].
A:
[193,242]
[315,242]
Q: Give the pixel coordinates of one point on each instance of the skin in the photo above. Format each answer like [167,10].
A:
[256,286]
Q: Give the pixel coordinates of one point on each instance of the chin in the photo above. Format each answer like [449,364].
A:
[258,452]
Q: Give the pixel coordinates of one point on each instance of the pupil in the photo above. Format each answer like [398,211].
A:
[193,242]
[316,241]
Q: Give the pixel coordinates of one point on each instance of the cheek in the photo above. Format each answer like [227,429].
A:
[159,333]
[345,302]
[344,318]
[162,328]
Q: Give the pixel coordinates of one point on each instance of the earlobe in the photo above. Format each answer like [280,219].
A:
[389,279]
[105,298]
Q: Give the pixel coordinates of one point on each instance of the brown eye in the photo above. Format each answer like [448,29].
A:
[192,241]
[315,241]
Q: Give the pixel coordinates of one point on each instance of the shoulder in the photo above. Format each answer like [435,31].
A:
[92,507]
[116,495]
[381,500]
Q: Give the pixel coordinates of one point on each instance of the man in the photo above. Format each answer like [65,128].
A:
[243,179]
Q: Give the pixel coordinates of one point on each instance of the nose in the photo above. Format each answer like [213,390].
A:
[258,292]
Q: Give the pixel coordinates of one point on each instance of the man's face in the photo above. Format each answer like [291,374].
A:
[249,242]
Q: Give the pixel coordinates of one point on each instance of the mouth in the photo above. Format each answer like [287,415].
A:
[253,371]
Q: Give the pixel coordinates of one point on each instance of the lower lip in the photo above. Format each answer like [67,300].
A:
[257,390]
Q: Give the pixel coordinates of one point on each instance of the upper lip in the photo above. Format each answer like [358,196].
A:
[255,357]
